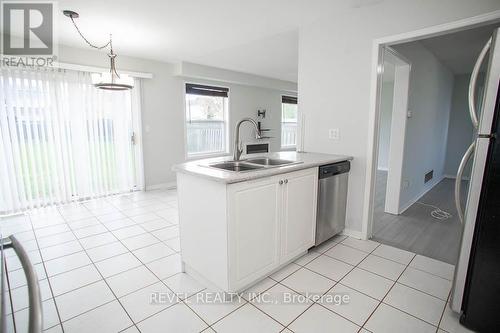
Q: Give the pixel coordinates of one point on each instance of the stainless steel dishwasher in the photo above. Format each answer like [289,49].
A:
[332,200]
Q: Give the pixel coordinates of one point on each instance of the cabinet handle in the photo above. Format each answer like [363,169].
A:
[286,181]
[281,182]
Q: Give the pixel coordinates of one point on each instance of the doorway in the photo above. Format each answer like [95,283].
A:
[413,204]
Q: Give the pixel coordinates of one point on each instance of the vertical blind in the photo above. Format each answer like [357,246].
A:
[61,139]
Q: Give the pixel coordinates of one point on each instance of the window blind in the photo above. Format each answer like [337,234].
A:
[198,89]
[289,99]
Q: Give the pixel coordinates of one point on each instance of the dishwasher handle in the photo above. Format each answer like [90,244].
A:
[334,169]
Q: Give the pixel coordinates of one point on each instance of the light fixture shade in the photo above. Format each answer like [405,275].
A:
[110,81]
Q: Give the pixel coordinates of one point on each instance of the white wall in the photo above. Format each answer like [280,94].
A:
[384,143]
[163,107]
[460,133]
[335,57]
[431,87]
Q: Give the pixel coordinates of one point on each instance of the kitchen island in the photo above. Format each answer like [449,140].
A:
[237,227]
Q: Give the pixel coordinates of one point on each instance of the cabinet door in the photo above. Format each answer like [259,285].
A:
[254,213]
[298,225]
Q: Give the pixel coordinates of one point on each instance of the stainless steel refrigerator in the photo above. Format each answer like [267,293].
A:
[476,285]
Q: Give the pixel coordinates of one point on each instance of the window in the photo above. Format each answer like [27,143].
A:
[206,119]
[288,121]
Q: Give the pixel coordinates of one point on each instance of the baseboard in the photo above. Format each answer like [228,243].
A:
[161,186]
[417,197]
[455,177]
[353,233]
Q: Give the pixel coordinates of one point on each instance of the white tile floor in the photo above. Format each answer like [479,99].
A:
[101,263]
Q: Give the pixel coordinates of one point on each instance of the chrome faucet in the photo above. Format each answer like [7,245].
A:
[237,149]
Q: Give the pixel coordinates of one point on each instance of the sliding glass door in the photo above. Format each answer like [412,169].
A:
[63,140]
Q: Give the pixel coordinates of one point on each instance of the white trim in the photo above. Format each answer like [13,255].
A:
[440,29]
[137,128]
[353,233]
[455,177]
[374,86]
[402,72]
[162,186]
[95,69]
[382,169]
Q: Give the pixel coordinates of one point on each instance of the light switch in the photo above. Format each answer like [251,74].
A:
[334,134]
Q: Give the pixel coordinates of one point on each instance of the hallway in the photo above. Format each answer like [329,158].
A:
[416,230]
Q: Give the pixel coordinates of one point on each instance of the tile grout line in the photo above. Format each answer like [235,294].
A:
[442,313]
[382,300]
[366,270]
[247,301]
[93,216]
[83,249]
[337,282]
[48,281]
[146,231]
[104,280]
[410,314]
[10,294]
[175,252]
[161,281]
[93,264]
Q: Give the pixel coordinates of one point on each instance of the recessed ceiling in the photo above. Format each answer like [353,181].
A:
[258,36]
[458,51]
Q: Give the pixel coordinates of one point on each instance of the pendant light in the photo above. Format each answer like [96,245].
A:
[110,80]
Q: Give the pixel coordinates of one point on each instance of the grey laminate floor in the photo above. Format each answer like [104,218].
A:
[415,230]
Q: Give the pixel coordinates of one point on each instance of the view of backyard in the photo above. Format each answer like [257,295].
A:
[288,125]
[206,124]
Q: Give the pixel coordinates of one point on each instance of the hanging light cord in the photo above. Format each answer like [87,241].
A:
[437,213]
[109,43]
[111,55]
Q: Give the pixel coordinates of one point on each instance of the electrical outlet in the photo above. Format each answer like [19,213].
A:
[334,134]
[406,184]
[409,114]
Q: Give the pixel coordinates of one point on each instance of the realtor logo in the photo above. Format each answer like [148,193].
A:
[28,28]
[28,33]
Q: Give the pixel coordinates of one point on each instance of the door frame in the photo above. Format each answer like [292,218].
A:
[397,139]
[138,147]
[375,86]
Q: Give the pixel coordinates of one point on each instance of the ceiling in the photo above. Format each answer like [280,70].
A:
[258,36]
[458,51]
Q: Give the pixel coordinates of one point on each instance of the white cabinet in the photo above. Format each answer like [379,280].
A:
[271,222]
[233,235]
[254,214]
[298,227]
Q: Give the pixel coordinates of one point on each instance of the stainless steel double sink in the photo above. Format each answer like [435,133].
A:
[251,164]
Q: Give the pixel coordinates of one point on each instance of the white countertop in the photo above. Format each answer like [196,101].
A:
[201,168]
